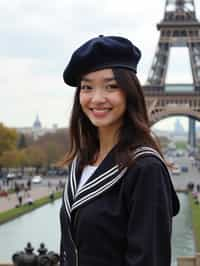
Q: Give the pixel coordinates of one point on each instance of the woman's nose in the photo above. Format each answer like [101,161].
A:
[98,96]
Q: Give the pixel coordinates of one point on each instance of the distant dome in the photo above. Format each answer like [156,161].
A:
[37,124]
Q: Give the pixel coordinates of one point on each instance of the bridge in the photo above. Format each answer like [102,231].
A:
[179,28]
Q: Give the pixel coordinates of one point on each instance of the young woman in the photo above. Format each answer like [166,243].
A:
[119,200]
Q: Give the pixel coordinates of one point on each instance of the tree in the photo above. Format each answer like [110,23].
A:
[8,139]
[54,145]
[35,156]
[13,158]
[21,142]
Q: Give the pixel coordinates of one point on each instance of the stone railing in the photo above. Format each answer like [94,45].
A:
[28,257]
[189,261]
[181,261]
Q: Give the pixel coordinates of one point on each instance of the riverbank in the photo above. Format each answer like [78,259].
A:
[195,209]
[13,213]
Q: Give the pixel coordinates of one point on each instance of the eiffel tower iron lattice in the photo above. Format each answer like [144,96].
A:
[179,28]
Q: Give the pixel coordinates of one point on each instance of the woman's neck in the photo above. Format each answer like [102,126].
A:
[107,140]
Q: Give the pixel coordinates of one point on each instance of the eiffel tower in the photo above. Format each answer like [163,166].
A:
[179,28]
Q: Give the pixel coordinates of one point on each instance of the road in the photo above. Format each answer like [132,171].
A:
[37,191]
[193,175]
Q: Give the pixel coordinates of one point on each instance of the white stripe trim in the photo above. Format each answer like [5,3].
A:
[144,148]
[66,199]
[96,181]
[71,177]
[102,175]
[149,152]
[74,176]
[98,191]
[153,152]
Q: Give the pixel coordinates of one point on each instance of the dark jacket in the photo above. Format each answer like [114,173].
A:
[120,217]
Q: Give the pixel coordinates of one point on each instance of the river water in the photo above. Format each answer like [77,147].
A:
[43,225]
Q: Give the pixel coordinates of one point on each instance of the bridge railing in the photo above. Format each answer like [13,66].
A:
[181,261]
[189,261]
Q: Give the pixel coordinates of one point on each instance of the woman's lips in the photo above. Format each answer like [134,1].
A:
[100,112]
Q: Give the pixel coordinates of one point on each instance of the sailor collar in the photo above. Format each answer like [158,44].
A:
[105,176]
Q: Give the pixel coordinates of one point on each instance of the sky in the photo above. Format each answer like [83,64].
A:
[38,38]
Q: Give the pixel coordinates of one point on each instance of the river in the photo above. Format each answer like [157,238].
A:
[42,225]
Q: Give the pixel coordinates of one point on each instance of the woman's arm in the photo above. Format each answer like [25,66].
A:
[150,208]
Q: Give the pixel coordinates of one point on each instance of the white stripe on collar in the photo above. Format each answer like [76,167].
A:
[66,199]
[98,191]
[97,180]
[73,177]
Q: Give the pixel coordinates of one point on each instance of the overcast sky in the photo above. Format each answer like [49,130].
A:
[38,38]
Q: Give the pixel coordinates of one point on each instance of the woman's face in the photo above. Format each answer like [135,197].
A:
[102,101]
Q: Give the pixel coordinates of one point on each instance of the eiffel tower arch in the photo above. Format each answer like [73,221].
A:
[179,28]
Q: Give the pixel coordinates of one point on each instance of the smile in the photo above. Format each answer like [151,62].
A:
[100,112]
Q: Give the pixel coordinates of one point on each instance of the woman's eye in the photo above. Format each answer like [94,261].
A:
[112,86]
[86,87]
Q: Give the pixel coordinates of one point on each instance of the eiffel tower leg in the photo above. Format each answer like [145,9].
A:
[192,133]
[194,50]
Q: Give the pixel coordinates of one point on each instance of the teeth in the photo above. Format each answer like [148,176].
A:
[100,110]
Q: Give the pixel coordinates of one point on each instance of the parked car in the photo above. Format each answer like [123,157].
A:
[2,175]
[62,172]
[11,176]
[52,173]
[184,169]
[37,179]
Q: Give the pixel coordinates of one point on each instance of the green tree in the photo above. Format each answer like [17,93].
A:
[8,139]
[14,158]
[35,156]
[52,152]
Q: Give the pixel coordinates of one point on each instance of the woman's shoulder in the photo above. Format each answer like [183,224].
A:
[146,157]
[150,172]
[148,160]
[147,166]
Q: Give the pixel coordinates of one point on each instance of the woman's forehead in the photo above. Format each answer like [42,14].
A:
[99,75]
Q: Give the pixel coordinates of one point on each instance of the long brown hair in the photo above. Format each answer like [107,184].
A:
[135,130]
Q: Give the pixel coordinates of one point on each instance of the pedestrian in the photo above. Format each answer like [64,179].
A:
[20,197]
[29,184]
[16,188]
[29,200]
[119,200]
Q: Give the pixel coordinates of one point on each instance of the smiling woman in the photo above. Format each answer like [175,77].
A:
[118,198]
[102,101]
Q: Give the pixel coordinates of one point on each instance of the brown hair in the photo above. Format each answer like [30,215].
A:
[135,130]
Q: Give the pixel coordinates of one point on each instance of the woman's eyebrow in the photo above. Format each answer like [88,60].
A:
[109,79]
[104,79]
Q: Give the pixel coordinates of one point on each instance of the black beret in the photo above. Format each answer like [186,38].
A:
[101,52]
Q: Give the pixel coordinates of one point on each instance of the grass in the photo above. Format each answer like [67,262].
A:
[182,145]
[195,221]
[16,212]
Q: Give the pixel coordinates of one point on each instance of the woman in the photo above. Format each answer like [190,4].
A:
[118,201]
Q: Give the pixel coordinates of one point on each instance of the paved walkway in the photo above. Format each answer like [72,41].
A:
[11,201]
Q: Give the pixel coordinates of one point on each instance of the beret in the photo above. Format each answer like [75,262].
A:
[99,53]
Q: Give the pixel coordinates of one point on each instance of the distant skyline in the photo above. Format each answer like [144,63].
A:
[170,122]
[38,38]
